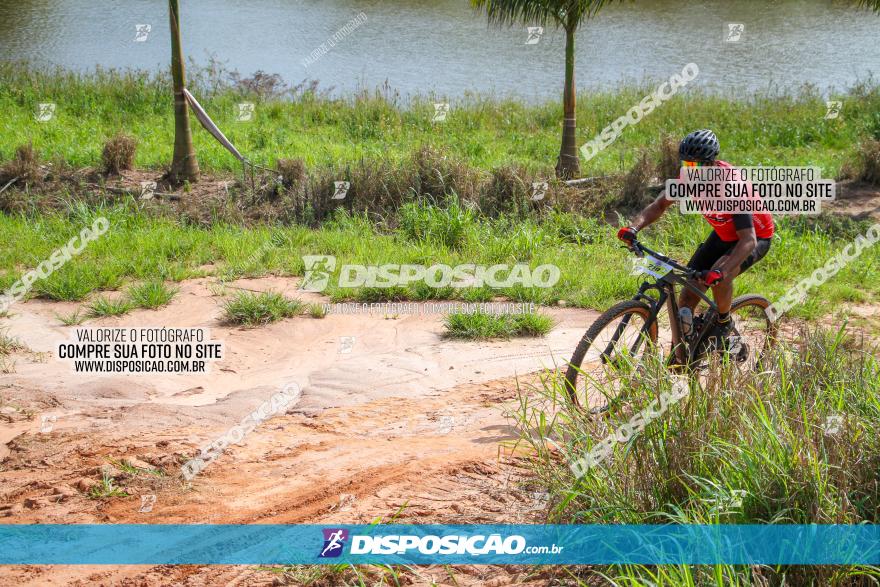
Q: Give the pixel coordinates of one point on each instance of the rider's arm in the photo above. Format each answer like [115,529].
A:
[652,212]
[730,263]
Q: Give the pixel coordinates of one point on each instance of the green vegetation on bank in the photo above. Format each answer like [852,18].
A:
[483,131]
[793,442]
[594,268]
[451,193]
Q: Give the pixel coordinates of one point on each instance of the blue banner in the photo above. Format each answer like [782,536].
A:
[155,544]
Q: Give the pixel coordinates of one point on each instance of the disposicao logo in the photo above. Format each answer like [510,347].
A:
[335,539]
[334,542]
[448,544]
[318,269]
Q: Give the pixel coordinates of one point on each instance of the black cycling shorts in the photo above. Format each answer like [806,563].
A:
[713,248]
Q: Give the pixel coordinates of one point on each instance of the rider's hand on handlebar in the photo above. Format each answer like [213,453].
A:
[628,235]
[712,277]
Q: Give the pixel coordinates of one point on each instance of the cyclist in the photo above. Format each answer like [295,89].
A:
[737,241]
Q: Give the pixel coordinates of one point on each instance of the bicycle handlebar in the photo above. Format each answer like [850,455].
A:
[638,248]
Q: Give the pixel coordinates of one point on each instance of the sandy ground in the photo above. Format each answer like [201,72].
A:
[393,420]
[396,419]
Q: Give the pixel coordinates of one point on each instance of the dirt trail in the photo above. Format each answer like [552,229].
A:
[407,422]
[856,200]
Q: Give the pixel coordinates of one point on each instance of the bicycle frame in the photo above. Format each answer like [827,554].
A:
[666,295]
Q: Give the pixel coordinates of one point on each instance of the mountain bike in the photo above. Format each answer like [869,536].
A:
[621,336]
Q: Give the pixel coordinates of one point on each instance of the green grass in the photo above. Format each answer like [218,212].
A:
[75,318]
[316,311]
[486,131]
[481,326]
[342,574]
[135,471]
[342,138]
[104,306]
[151,295]
[256,309]
[9,344]
[594,269]
[446,226]
[106,488]
[72,284]
[743,447]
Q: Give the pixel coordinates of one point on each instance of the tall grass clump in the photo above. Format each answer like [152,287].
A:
[509,191]
[118,154]
[152,294]
[256,309]
[24,166]
[792,442]
[669,164]
[636,181]
[75,318]
[103,307]
[442,225]
[9,344]
[868,162]
[481,325]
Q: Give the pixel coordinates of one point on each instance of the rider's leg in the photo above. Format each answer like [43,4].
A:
[706,255]
[688,299]
[722,293]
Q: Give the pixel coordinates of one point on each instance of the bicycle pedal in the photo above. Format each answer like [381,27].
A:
[743,353]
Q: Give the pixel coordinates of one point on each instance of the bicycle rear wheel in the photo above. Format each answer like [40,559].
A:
[616,340]
[752,337]
[754,328]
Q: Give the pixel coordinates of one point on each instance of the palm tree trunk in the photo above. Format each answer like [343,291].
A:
[568,166]
[184,165]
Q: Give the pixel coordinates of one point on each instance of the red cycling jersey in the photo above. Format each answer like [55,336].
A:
[726,224]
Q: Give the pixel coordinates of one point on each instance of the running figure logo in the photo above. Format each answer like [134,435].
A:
[735,31]
[245,112]
[833,111]
[317,272]
[334,542]
[534,33]
[142,32]
[45,112]
[539,190]
[340,189]
[441,109]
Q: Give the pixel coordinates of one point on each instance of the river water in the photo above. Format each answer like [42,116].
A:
[444,47]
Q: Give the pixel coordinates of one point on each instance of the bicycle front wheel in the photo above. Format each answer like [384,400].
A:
[617,339]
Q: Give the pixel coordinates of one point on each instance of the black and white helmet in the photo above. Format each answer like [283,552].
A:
[700,145]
